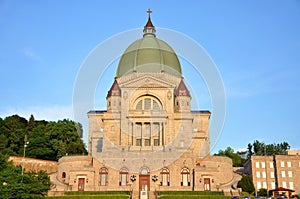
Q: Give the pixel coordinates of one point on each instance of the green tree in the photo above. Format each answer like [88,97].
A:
[246,184]
[237,159]
[15,185]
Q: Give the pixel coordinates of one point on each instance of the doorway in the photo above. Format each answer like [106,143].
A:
[206,184]
[81,184]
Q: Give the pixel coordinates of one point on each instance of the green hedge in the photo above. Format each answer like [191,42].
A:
[194,197]
[88,197]
[205,193]
[71,193]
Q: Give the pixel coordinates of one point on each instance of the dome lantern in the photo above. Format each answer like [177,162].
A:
[149,28]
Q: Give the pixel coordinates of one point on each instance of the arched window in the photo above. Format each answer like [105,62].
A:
[185,177]
[63,175]
[165,177]
[103,176]
[123,176]
[145,171]
[148,102]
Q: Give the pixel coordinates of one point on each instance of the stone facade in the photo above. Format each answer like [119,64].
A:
[270,172]
[148,138]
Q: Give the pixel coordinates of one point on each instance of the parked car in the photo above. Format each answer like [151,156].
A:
[235,197]
[257,197]
[246,197]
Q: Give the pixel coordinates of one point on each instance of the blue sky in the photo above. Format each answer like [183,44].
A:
[255,45]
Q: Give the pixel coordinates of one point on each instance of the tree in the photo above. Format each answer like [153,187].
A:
[260,148]
[237,159]
[15,185]
[246,184]
[31,123]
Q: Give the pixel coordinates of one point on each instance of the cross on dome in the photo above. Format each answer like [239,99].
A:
[149,27]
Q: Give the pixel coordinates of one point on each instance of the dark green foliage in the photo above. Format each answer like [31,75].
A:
[246,184]
[47,140]
[237,158]
[260,148]
[262,192]
[15,185]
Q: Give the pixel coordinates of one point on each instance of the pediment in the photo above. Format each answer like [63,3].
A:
[147,81]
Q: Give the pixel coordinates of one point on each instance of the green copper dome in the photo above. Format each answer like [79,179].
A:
[149,55]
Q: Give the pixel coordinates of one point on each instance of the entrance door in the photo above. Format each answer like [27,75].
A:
[81,184]
[144,183]
[206,184]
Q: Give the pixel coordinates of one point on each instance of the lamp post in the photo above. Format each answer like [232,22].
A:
[24,153]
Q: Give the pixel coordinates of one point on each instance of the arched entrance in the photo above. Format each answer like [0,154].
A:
[144,179]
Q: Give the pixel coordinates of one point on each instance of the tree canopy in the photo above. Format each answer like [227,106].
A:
[15,185]
[48,140]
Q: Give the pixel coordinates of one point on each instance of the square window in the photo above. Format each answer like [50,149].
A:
[147,142]
[257,164]
[284,184]
[138,142]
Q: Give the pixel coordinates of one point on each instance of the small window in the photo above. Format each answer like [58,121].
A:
[271,165]
[290,174]
[283,174]
[291,185]
[63,175]
[103,177]
[147,104]
[289,164]
[165,177]
[282,164]
[284,184]
[156,142]
[258,185]
[264,174]
[181,143]
[257,174]
[147,142]
[139,105]
[112,128]
[263,165]
[123,177]
[272,185]
[185,177]
[257,164]
[272,175]
[138,142]
[264,185]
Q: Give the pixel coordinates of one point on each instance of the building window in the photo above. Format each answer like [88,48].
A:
[264,185]
[138,142]
[272,185]
[257,174]
[165,177]
[257,164]
[271,165]
[290,174]
[264,174]
[147,142]
[103,173]
[148,103]
[272,174]
[123,176]
[181,143]
[289,164]
[258,185]
[291,185]
[282,164]
[283,174]
[156,142]
[63,175]
[112,128]
[284,184]
[185,177]
[263,165]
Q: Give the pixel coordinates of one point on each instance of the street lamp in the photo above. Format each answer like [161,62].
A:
[24,154]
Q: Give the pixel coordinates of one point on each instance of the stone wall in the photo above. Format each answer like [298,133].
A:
[32,164]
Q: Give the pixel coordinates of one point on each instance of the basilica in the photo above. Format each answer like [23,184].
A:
[148,138]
